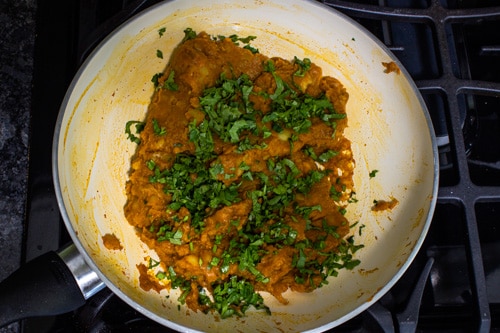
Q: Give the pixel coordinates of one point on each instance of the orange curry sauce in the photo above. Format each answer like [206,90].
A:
[275,241]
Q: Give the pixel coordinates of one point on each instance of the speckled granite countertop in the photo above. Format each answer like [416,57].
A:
[17,31]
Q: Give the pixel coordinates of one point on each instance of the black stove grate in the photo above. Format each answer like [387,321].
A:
[461,86]
[452,51]
[462,91]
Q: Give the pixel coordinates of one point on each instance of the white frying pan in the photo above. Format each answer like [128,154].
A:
[389,127]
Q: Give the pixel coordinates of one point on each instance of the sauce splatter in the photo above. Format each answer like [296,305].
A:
[111,242]
[391,67]
[382,205]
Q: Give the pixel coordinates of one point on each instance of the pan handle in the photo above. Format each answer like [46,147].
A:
[51,284]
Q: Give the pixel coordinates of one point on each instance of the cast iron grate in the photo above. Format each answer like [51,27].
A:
[452,51]
[457,70]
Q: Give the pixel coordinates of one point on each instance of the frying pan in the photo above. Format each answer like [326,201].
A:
[389,127]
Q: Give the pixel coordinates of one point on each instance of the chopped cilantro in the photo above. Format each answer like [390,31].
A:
[157,129]
[153,263]
[189,34]
[170,83]
[195,184]
[327,155]
[200,195]
[251,48]
[360,230]
[292,110]
[155,79]
[229,112]
[304,66]
[166,233]
[233,297]
[178,282]
[139,127]
[245,40]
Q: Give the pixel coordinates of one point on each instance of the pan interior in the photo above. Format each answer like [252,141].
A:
[388,126]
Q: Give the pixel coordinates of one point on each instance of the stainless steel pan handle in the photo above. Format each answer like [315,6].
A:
[88,281]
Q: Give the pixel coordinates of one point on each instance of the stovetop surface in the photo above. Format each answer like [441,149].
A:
[452,51]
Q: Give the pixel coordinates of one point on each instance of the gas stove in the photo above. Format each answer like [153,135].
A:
[451,48]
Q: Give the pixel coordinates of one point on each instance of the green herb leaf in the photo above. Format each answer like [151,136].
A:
[157,129]
[189,34]
[170,83]
[139,127]
[304,66]
[155,79]
[292,110]
[153,263]
[234,297]
[327,155]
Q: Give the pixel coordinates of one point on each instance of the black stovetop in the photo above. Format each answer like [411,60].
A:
[452,51]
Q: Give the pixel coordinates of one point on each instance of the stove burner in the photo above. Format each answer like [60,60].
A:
[106,313]
[451,50]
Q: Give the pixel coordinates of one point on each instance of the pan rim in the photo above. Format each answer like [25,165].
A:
[164,321]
